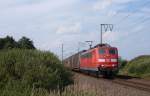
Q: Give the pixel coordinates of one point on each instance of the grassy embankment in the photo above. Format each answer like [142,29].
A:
[28,72]
[138,67]
[25,71]
[35,73]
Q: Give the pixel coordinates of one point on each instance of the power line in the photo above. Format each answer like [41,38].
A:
[142,21]
[130,14]
[124,18]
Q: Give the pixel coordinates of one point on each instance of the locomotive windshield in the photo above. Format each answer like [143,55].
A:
[112,51]
[108,51]
[101,51]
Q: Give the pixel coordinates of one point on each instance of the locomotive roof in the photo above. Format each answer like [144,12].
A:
[102,45]
[98,45]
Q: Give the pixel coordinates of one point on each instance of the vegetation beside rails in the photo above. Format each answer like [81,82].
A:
[24,72]
[138,67]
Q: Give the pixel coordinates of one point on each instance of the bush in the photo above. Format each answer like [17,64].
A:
[140,67]
[9,43]
[27,69]
[122,63]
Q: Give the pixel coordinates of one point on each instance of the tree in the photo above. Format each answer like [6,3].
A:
[122,63]
[7,43]
[2,43]
[25,43]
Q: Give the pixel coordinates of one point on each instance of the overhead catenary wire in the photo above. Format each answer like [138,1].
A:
[130,14]
[140,22]
[71,50]
[126,17]
[133,32]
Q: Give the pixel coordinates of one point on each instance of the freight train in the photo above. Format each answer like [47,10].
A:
[101,59]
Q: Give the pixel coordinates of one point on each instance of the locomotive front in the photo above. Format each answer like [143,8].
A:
[108,60]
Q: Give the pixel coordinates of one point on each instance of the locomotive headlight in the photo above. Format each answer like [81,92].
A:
[102,65]
[113,65]
[113,60]
[101,60]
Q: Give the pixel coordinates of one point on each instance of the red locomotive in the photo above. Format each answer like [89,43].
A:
[101,59]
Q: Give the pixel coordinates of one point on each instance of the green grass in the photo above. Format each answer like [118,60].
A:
[23,71]
[139,67]
[27,91]
[69,91]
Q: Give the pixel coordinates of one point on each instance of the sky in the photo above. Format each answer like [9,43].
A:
[51,23]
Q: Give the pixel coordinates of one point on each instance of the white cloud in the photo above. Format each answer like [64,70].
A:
[112,13]
[6,3]
[104,4]
[122,1]
[111,36]
[37,8]
[69,29]
[145,10]
[100,5]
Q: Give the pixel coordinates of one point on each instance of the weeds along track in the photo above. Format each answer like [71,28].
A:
[140,84]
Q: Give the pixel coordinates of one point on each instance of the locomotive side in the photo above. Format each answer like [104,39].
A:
[102,59]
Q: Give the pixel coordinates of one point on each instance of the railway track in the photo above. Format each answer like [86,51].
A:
[133,84]
[145,86]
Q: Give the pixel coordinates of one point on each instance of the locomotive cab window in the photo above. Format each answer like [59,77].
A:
[101,51]
[87,55]
[112,51]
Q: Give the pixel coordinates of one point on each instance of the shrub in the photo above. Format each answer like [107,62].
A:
[27,69]
[140,66]
[122,63]
[9,43]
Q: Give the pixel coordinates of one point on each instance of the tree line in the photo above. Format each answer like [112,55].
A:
[9,42]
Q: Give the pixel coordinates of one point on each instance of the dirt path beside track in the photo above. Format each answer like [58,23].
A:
[104,87]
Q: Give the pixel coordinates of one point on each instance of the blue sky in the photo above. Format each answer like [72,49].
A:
[49,23]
